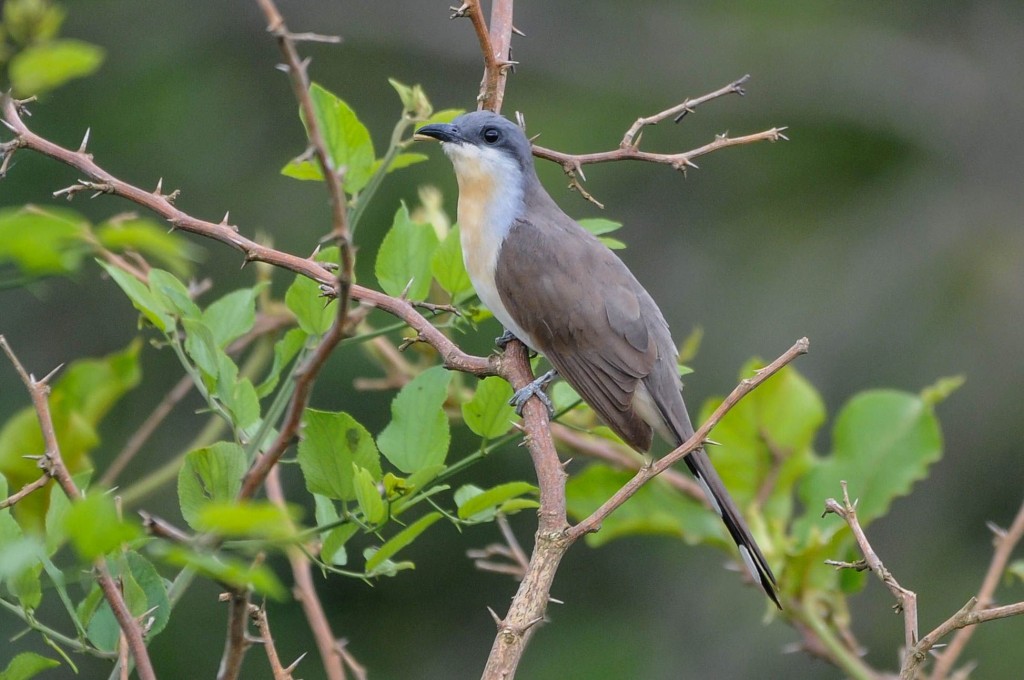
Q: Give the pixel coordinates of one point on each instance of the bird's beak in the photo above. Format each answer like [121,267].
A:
[442,132]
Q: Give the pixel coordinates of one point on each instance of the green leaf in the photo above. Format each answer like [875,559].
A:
[482,506]
[401,540]
[152,240]
[95,528]
[256,519]
[229,570]
[27,665]
[444,116]
[405,255]
[154,590]
[1015,570]
[201,347]
[418,436]
[173,294]
[599,226]
[449,269]
[42,242]
[940,391]
[769,432]
[331,443]
[387,567]
[44,66]
[332,550]
[402,160]
[488,413]
[368,496]
[210,474]
[882,442]
[655,509]
[314,313]
[285,349]
[347,139]
[151,306]
[233,315]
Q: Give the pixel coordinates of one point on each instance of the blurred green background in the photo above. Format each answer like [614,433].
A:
[889,231]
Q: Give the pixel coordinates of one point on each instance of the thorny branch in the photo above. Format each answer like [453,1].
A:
[494,46]
[917,651]
[52,464]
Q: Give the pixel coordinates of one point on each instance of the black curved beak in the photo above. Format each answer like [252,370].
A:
[442,132]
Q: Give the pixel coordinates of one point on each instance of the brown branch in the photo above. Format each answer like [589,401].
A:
[453,357]
[677,112]
[259,616]
[237,642]
[906,600]
[515,562]
[53,463]
[624,458]
[305,593]
[645,474]
[1005,542]
[24,491]
[494,46]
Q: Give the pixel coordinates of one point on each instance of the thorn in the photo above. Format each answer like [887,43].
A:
[737,85]
[497,619]
[778,133]
[224,221]
[722,136]
[295,663]
[996,529]
[460,11]
[46,378]
[682,114]
[556,601]
[171,197]
[533,623]
[711,442]
[304,64]
[159,187]
[518,32]
[85,141]
[405,291]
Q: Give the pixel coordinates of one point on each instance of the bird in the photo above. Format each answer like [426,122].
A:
[554,286]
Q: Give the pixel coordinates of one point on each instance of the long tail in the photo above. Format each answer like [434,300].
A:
[706,475]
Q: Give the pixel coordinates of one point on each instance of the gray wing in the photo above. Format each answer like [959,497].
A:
[586,313]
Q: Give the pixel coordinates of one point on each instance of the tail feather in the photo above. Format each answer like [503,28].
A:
[754,560]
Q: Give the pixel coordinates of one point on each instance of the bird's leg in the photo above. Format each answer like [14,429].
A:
[535,389]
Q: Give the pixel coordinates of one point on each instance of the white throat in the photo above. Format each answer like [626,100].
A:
[490,200]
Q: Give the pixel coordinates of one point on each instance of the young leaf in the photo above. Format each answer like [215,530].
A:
[202,347]
[347,139]
[882,442]
[368,496]
[232,316]
[27,665]
[256,519]
[151,239]
[285,350]
[333,548]
[42,242]
[95,528]
[449,269]
[401,540]
[418,436]
[151,306]
[173,294]
[314,313]
[44,66]
[220,567]
[213,473]
[331,443]
[598,226]
[488,413]
[153,589]
[483,505]
[405,255]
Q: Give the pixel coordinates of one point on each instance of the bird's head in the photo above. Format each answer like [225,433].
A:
[484,147]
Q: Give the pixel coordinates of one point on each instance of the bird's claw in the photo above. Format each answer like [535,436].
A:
[505,338]
[534,389]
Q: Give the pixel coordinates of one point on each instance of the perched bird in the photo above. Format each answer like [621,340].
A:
[557,288]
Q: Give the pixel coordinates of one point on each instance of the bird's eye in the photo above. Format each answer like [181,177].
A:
[491,135]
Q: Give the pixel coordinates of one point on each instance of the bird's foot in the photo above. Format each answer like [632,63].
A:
[535,389]
[505,338]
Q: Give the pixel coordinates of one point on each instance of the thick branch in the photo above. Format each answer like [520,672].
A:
[645,474]
[494,46]
[236,644]
[53,463]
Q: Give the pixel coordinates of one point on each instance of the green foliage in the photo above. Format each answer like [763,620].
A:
[401,540]
[212,474]
[477,505]
[488,413]
[27,665]
[94,527]
[405,257]
[331,444]
[44,66]
[418,435]
[598,226]
[449,268]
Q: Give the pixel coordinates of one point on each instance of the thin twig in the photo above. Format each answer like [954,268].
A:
[645,474]
[305,592]
[236,644]
[1005,542]
[493,46]
[24,491]
[53,464]
[906,600]
[259,616]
